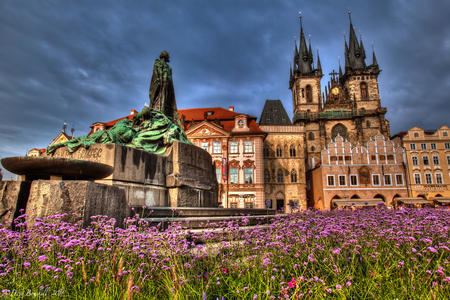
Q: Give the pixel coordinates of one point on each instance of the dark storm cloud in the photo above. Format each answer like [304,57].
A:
[86,61]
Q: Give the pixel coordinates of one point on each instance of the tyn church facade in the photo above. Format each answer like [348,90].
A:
[350,106]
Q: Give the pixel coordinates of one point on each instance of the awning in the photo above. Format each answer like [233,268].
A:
[358,202]
[412,200]
[441,199]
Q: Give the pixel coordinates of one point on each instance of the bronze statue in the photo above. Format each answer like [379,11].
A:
[161,93]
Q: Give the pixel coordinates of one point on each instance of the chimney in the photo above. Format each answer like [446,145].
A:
[133,112]
[231,108]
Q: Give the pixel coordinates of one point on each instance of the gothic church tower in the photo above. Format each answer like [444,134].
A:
[350,105]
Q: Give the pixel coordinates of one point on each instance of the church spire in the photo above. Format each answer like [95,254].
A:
[304,58]
[355,54]
[375,63]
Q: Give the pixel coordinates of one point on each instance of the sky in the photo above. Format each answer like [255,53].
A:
[83,61]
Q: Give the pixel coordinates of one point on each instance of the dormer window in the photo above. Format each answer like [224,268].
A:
[241,123]
[209,113]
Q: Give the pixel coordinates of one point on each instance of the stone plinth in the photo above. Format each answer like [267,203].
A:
[13,197]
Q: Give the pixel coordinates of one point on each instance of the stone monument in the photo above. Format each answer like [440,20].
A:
[144,162]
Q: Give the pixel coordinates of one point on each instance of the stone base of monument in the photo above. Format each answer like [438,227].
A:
[13,198]
[184,177]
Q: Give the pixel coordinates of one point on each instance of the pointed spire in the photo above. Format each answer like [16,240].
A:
[340,69]
[374,59]
[319,66]
[304,58]
[355,50]
[290,71]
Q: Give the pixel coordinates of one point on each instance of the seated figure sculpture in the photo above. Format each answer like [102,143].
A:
[154,129]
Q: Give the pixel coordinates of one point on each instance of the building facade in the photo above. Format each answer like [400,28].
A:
[284,159]
[235,143]
[358,174]
[428,161]
[350,106]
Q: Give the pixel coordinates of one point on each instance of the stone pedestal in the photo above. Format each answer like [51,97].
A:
[13,197]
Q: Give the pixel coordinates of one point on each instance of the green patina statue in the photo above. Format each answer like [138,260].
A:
[154,129]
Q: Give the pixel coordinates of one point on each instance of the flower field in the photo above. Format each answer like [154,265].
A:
[362,254]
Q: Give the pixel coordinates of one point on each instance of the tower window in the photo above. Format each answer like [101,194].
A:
[266,176]
[308,94]
[311,136]
[368,123]
[364,91]
[293,176]
[266,151]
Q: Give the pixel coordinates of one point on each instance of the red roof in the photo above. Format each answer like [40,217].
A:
[225,116]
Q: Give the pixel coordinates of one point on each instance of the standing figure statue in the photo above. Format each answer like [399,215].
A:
[162,94]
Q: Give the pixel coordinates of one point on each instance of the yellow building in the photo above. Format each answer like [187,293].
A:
[428,162]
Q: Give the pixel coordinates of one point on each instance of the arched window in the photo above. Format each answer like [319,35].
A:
[266,151]
[292,151]
[279,151]
[313,148]
[368,123]
[364,90]
[280,176]
[341,129]
[293,176]
[308,94]
[266,176]
[311,136]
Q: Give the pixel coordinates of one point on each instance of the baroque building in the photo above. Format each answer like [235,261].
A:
[284,159]
[235,143]
[349,107]
[428,162]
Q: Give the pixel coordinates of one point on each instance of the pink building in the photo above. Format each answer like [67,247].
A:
[363,175]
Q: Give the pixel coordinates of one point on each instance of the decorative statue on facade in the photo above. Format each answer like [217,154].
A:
[154,129]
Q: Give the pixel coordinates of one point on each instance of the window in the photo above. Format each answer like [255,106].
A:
[292,151]
[399,179]
[218,174]
[234,176]
[248,147]
[448,160]
[415,160]
[390,157]
[433,146]
[367,124]
[233,205]
[217,147]
[426,161]
[387,180]
[311,136]
[342,180]
[266,176]
[353,180]
[233,147]
[248,204]
[417,178]
[293,176]
[330,180]
[376,179]
[447,146]
[445,133]
[347,158]
[382,157]
[266,151]
[373,157]
[308,93]
[412,146]
[428,178]
[364,93]
[248,175]
[205,146]
[280,176]
[423,146]
[416,134]
[435,160]
[439,178]
[241,123]
[279,151]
